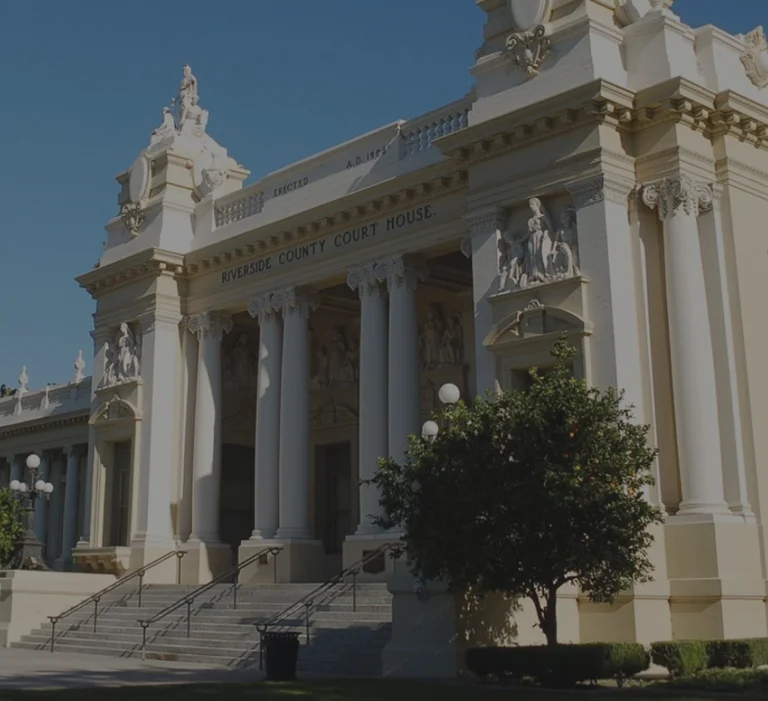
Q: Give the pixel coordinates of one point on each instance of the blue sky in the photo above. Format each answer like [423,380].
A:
[83,83]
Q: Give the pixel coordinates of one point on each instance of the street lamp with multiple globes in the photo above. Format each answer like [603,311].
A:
[449,394]
[29,550]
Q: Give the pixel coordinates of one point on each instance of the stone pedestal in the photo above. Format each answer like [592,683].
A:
[357,547]
[299,561]
[204,561]
[28,598]
[423,631]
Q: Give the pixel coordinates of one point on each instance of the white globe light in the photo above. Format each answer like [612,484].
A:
[33,461]
[23,487]
[449,394]
[48,488]
[429,429]
[15,485]
[40,486]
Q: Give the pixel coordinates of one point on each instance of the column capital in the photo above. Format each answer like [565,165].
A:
[364,280]
[403,271]
[599,189]
[486,220]
[208,324]
[261,307]
[680,193]
[295,301]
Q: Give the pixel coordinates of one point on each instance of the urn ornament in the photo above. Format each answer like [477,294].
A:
[528,14]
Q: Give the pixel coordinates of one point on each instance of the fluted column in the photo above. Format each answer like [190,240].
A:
[402,276]
[679,201]
[69,533]
[296,305]
[41,508]
[374,440]
[210,328]
[267,476]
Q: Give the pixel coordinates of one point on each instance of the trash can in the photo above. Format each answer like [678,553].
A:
[281,653]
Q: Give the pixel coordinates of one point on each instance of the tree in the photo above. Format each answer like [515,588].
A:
[11,524]
[527,491]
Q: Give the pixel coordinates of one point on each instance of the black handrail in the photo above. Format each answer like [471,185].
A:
[96,598]
[306,602]
[189,599]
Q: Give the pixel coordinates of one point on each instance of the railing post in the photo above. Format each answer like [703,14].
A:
[141,585]
[143,640]
[95,612]
[306,618]
[354,591]
[275,553]
[179,555]
[53,631]
[189,615]
[234,589]
[261,649]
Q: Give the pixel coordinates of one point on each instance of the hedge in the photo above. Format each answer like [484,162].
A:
[722,680]
[560,665]
[689,657]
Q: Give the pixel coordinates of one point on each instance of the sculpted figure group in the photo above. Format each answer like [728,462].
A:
[542,253]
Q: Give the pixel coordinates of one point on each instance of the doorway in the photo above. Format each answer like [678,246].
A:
[236,513]
[120,491]
[333,495]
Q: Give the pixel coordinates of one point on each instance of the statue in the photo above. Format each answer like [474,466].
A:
[167,128]
[538,243]
[188,97]
[450,349]
[565,258]
[121,362]
[432,337]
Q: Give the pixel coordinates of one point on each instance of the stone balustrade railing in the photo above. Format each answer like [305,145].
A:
[55,399]
[420,133]
[417,135]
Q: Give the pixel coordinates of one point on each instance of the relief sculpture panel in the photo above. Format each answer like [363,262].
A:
[336,359]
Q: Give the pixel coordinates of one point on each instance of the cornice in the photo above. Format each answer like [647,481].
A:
[47,423]
[150,263]
[347,212]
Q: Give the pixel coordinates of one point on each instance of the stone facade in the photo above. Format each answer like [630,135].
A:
[257,348]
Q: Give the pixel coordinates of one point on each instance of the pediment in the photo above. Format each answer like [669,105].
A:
[114,410]
[536,322]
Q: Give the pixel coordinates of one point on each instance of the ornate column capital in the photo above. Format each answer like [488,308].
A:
[295,301]
[599,189]
[208,324]
[486,221]
[401,272]
[682,193]
[262,308]
[364,280]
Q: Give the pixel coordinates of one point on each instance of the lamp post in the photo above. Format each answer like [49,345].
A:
[29,550]
[449,394]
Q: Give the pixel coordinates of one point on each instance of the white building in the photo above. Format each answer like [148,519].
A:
[257,348]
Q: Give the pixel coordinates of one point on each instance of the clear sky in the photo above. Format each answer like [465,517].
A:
[83,83]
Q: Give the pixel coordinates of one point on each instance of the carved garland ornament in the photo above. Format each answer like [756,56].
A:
[133,217]
[529,50]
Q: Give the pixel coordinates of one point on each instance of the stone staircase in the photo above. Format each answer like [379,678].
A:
[343,641]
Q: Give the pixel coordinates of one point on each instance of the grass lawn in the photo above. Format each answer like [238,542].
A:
[369,690]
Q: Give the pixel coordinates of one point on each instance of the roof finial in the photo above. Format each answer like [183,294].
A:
[23,380]
[79,367]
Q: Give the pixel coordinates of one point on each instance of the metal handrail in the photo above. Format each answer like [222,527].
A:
[307,601]
[189,599]
[96,598]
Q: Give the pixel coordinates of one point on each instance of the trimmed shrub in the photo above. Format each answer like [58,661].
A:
[681,657]
[738,654]
[723,680]
[560,665]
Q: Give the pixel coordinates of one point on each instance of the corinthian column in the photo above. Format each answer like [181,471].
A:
[402,276]
[210,329]
[373,389]
[679,201]
[294,414]
[267,476]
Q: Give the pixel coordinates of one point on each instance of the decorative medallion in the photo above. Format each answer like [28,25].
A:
[528,51]
[527,14]
[133,217]
[138,182]
[755,57]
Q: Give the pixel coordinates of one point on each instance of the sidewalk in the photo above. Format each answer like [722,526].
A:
[36,669]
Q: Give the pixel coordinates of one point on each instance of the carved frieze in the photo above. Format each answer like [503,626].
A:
[541,254]
[441,339]
[336,360]
[122,357]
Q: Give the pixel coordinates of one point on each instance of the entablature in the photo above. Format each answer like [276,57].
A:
[150,263]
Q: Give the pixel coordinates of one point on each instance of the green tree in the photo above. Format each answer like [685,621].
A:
[526,491]
[11,525]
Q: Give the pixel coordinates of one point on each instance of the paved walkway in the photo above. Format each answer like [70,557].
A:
[36,669]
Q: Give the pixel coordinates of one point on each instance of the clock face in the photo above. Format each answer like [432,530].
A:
[138,181]
[527,14]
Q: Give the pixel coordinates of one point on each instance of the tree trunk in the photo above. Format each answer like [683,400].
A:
[549,626]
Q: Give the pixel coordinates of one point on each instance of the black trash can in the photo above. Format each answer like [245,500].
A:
[281,655]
